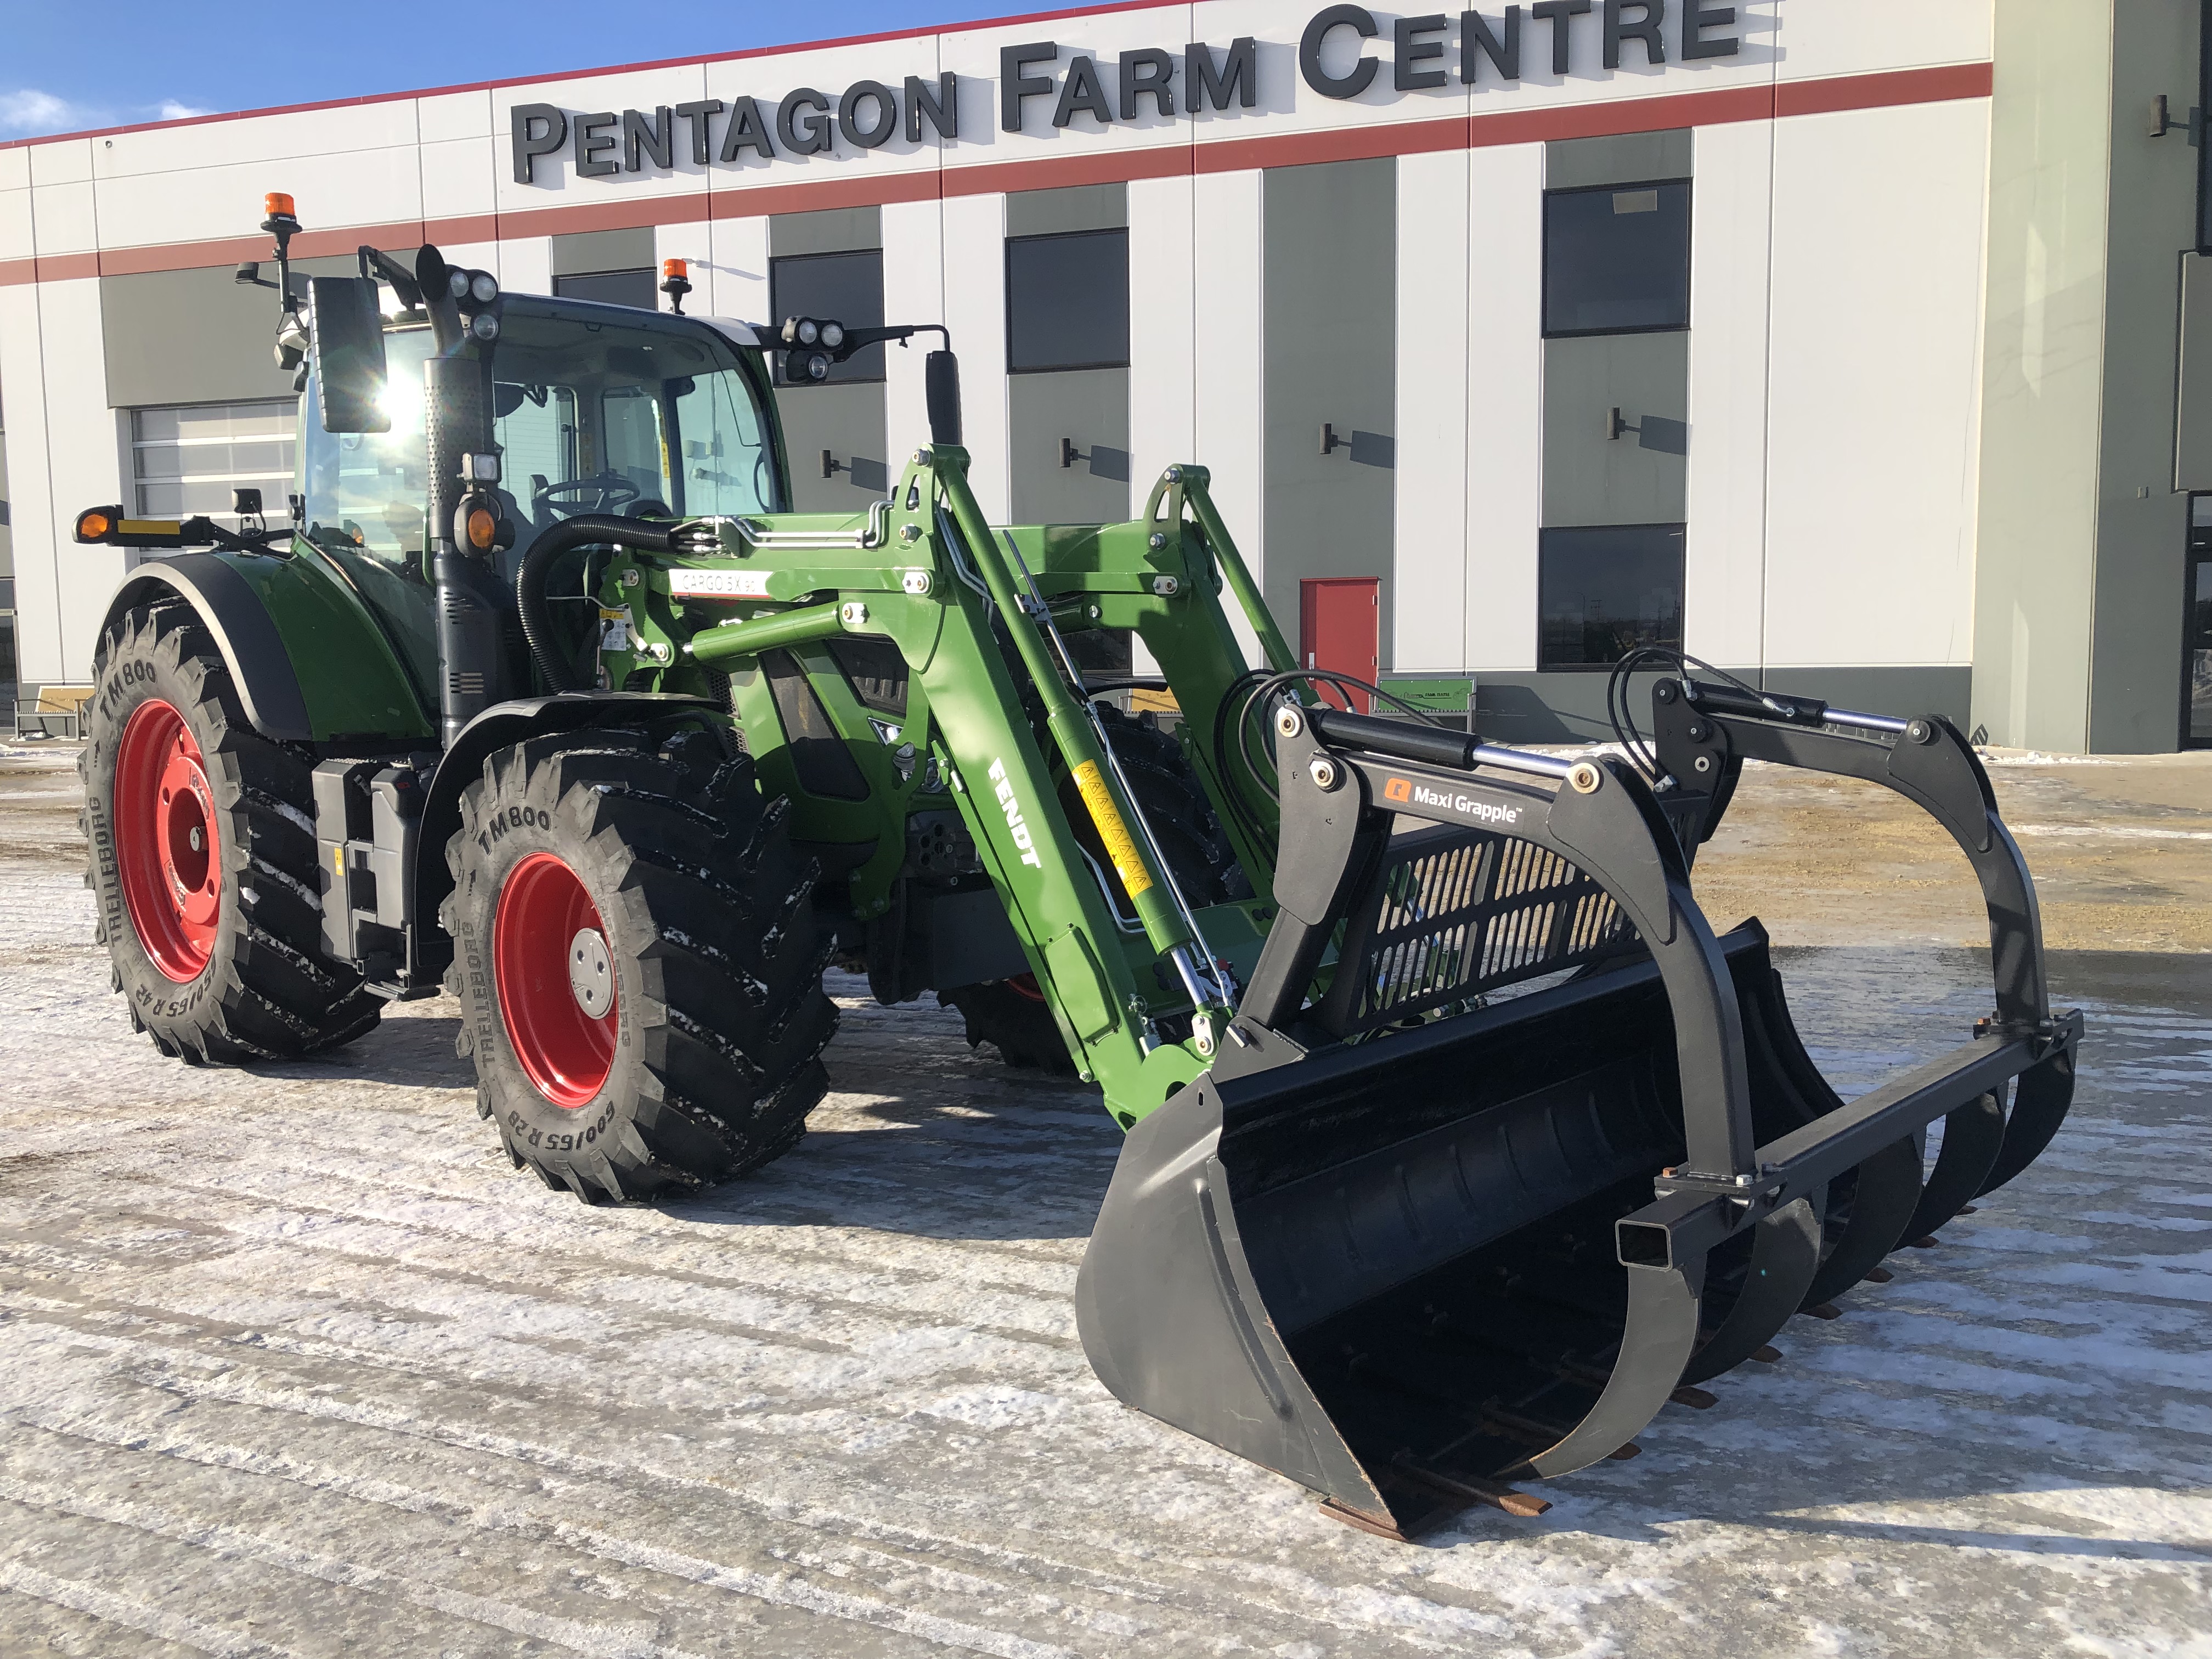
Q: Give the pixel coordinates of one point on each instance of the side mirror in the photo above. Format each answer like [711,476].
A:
[941,387]
[348,349]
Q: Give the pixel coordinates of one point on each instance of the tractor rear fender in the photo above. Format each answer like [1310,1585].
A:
[498,728]
[309,662]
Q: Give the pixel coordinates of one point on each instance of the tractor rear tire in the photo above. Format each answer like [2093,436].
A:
[638,966]
[201,854]
[1010,1014]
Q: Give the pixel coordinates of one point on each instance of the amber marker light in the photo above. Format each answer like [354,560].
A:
[93,524]
[277,205]
[483,528]
[676,267]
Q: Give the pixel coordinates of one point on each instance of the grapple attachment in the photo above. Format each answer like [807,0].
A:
[1541,1152]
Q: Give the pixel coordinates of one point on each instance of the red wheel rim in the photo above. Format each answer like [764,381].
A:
[167,848]
[538,933]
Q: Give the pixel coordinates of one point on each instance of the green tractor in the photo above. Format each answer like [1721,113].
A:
[1459,1144]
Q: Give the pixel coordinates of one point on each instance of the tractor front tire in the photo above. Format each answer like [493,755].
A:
[201,854]
[639,972]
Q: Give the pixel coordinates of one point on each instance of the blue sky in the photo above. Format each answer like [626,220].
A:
[155,62]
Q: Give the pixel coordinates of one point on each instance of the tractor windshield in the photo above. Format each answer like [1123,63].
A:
[599,408]
[604,410]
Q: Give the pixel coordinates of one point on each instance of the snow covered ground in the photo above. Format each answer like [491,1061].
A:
[291,1361]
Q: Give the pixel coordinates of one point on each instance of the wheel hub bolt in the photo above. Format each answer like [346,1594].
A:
[195,838]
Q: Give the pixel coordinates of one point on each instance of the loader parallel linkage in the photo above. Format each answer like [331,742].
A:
[1458,1145]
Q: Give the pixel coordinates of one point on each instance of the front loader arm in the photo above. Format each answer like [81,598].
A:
[974,620]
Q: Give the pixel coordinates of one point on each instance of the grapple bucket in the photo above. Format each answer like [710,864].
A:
[1411,1240]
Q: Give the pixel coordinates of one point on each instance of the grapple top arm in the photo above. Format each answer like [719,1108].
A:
[1705,732]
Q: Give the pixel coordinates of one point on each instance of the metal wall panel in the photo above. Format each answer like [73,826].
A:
[832,230]
[1330,355]
[1079,207]
[1504,459]
[1433,392]
[7,528]
[1724,587]
[603,250]
[1090,408]
[1591,477]
[1627,158]
[197,337]
[848,420]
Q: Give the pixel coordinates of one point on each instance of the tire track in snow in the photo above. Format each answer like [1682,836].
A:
[1326,1609]
[148,1620]
[600,1641]
[786,1590]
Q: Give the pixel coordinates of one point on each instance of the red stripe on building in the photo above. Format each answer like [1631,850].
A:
[862,189]
[1059,171]
[1885,90]
[1611,118]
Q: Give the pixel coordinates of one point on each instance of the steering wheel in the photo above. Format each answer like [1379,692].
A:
[608,490]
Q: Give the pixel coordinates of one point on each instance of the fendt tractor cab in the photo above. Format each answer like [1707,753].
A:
[1458,1143]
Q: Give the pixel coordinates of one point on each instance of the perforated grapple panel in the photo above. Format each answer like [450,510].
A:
[1454,913]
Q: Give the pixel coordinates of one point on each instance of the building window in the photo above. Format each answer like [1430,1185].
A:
[1617,259]
[1068,301]
[1602,591]
[846,286]
[611,287]
[185,461]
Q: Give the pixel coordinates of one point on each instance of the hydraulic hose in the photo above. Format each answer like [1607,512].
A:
[586,529]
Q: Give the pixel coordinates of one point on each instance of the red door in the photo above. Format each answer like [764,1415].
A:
[1340,630]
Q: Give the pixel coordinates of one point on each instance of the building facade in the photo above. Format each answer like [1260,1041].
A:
[1839,342]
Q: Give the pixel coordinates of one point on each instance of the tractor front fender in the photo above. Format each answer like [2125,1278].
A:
[244,631]
[309,661]
[498,728]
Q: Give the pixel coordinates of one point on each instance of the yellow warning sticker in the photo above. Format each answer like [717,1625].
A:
[1115,833]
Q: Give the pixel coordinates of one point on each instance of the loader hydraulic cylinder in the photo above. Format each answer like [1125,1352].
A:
[1070,726]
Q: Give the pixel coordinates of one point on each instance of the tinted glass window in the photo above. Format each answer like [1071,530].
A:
[1068,301]
[1617,260]
[1602,591]
[611,287]
[367,491]
[846,288]
[601,414]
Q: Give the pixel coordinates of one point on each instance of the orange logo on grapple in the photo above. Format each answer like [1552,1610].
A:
[1397,789]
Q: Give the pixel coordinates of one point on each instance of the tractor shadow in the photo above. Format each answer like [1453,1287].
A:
[920,1135]
[413,1047]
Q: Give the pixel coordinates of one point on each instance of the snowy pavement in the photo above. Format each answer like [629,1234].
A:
[291,1361]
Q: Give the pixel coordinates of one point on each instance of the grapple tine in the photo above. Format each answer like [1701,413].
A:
[1785,1255]
[1867,1219]
[2040,1100]
[1972,1138]
[1662,1330]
